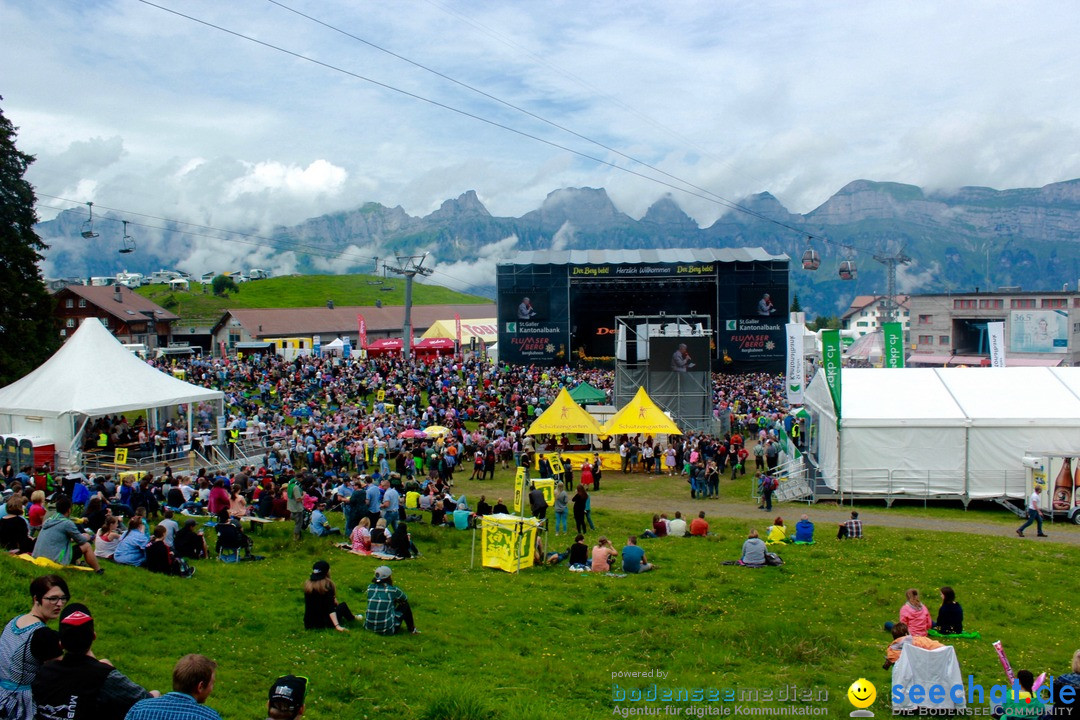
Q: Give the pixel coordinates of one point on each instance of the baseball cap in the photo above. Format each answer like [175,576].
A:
[76,628]
[288,690]
[320,570]
[382,573]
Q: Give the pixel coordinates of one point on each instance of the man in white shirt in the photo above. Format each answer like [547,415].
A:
[1034,512]
[677,527]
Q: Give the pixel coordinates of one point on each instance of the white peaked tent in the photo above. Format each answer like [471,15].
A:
[91,375]
[941,432]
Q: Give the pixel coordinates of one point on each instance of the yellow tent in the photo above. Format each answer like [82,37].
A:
[485,330]
[641,415]
[564,416]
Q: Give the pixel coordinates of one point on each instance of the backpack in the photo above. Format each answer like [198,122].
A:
[773,559]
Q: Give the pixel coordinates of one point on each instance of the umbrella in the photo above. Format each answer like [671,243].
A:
[436,431]
[412,434]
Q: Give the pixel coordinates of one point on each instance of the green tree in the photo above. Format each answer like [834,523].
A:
[825,322]
[223,284]
[795,306]
[28,334]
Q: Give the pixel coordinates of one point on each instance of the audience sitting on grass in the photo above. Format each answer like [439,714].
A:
[633,558]
[286,698]
[192,682]
[804,531]
[850,529]
[160,558]
[462,517]
[387,605]
[401,544]
[578,554]
[361,537]
[950,619]
[914,615]
[1070,679]
[230,538]
[320,526]
[776,534]
[658,529]
[698,526]
[78,685]
[189,542]
[677,527]
[131,550]
[602,555]
[14,532]
[753,551]
[321,607]
[902,638]
[500,508]
[379,537]
[59,535]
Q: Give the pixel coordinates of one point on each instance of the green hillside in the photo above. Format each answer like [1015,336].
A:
[301,291]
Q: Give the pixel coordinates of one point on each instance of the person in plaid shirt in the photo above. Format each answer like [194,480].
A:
[852,529]
[387,605]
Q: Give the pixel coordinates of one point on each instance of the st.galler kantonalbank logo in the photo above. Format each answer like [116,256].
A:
[511,327]
[862,695]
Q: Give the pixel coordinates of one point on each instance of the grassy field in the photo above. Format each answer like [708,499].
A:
[301,291]
[544,644]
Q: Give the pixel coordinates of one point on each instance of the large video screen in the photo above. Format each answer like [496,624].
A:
[679,354]
[764,302]
[526,306]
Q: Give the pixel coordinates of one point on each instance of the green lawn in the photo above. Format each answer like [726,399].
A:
[301,291]
[544,644]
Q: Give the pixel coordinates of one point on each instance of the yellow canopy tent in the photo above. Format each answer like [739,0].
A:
[485,330]
[641,415]
[564,416]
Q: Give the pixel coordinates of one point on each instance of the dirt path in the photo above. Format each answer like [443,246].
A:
[825,516]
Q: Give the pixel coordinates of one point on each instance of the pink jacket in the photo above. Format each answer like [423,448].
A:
[917,619]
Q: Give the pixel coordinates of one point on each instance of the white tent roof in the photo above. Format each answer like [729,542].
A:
[896,397]
[336,344]
[93,374]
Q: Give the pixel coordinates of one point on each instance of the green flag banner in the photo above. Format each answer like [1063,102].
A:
[894,344]
[832,359]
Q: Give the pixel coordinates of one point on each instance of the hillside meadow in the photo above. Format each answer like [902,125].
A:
[546,643]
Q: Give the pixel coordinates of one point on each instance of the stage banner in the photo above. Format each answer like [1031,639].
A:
[893,333]
[362,340]
[997,343]
[832,360]
[796,364]
[346,351]
[506,542]
[519,488]
[457,330]
[316,347]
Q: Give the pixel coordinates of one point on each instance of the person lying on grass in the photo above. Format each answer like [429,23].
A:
[902,638]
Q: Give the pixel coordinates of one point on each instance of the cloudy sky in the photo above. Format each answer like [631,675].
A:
[133,107]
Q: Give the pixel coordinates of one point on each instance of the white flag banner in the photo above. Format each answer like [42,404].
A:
[796,365]
[996,332]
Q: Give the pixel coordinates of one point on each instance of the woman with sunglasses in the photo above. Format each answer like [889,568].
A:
[27,642]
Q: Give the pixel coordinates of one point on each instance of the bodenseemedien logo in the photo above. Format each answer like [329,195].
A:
[862,695]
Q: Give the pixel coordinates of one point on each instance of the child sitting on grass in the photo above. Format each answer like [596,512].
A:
[901,638]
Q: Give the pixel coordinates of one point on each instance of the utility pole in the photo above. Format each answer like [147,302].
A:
[890,262]
[409,266]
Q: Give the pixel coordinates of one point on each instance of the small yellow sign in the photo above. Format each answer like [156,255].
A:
[381,395]
[519,488]
[120,457]
[557,469]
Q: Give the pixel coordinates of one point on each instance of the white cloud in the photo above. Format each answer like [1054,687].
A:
[317,178]
[464,275]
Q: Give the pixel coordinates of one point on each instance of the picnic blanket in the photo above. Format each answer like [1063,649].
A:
[50,564]
[969,635]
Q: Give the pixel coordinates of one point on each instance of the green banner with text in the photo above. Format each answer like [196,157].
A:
[832,359]
[894,344]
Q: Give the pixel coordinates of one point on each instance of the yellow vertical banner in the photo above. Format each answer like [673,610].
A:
[519,488]
[557,468]
[507,542]
[120,456]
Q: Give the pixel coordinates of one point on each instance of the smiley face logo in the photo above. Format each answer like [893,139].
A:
[862,694]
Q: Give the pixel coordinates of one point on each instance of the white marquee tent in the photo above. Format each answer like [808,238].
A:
[91,375]
[941,432]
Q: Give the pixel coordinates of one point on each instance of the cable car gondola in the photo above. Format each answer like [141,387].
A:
[88,226]
[127,244]
[811,260]
[847,270]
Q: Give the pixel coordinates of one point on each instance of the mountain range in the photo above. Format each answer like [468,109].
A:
[957,240]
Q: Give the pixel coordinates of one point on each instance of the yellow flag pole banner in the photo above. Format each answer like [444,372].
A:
[519,488]
[506,541]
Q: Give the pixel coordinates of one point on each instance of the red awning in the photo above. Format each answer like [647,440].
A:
[969,360]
